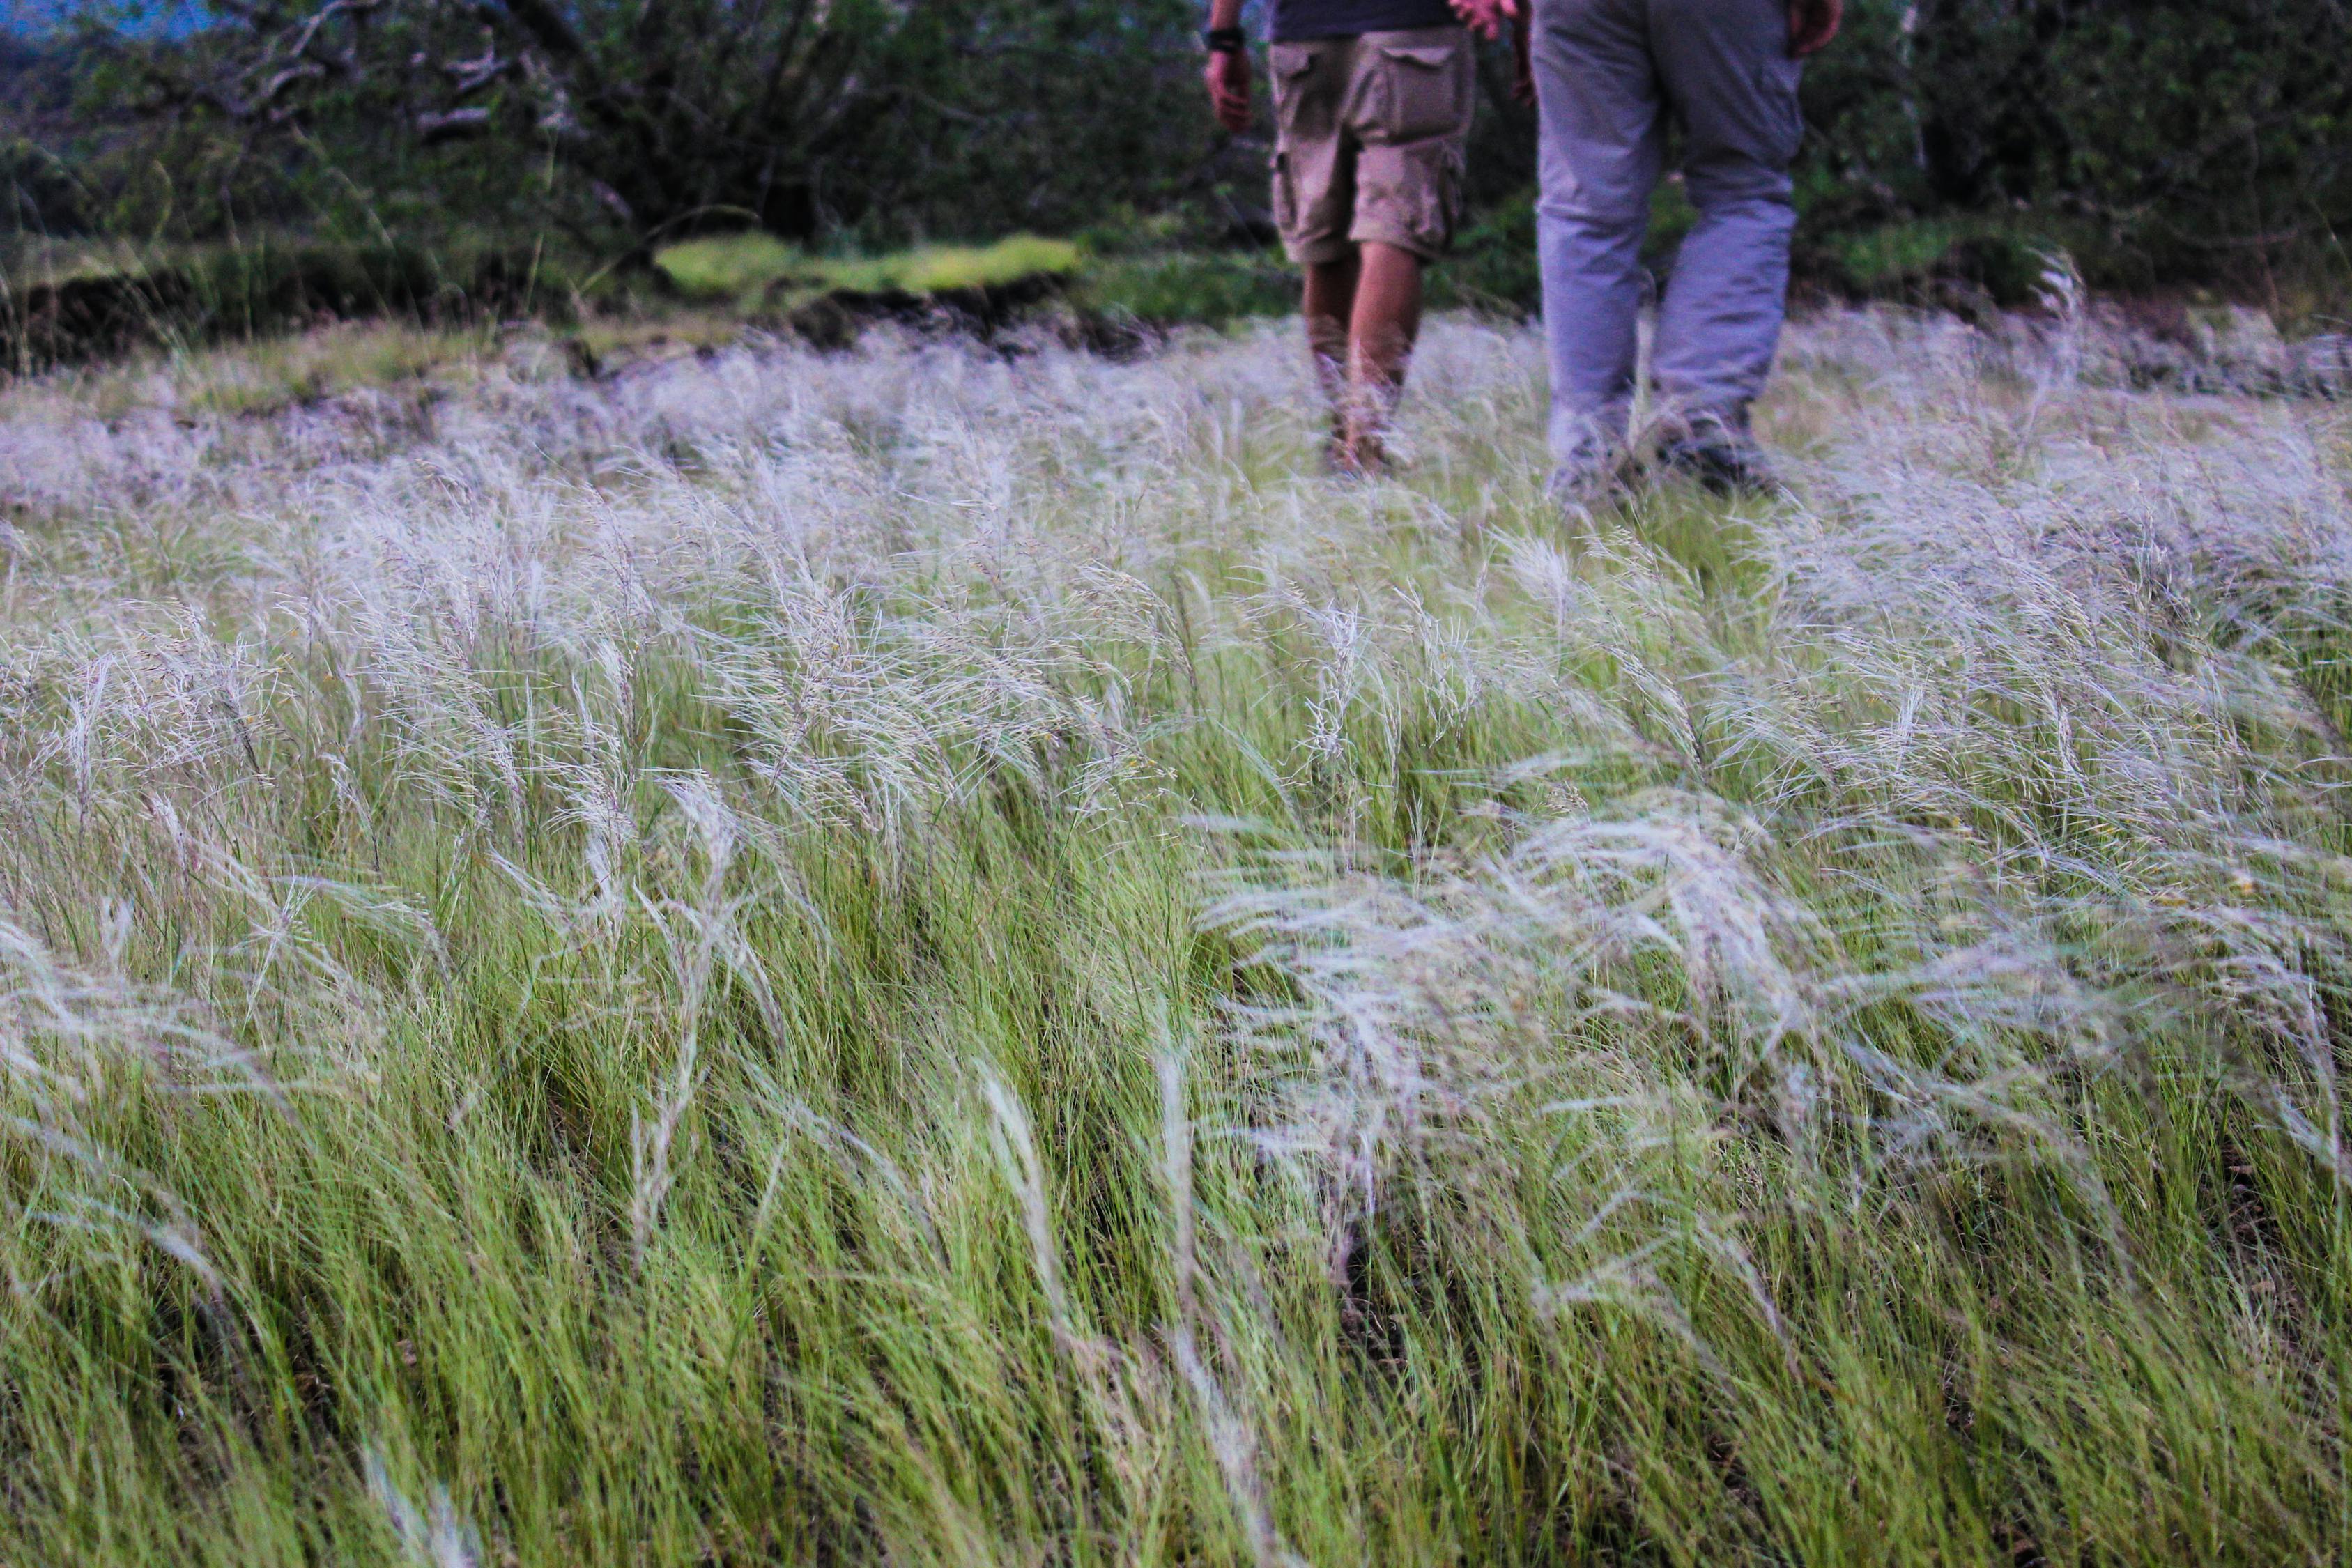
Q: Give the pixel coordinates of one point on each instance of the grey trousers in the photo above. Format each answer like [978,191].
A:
[1608,72]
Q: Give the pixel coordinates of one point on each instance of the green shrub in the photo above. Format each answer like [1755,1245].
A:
[1192,287]
[2204,141]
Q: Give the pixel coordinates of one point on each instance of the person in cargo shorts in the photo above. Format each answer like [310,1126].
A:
[1371,110]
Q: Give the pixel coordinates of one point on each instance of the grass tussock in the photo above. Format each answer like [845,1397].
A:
[930,957]
[754,269]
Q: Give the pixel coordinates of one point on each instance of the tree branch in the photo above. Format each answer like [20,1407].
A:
[438,126]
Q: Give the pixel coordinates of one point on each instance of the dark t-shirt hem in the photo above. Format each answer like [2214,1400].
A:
[1314,21]
[1350,33]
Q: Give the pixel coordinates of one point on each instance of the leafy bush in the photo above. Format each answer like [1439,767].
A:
[2183,140]
[1178,288]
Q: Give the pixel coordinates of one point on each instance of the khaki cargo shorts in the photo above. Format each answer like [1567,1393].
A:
[1368,137]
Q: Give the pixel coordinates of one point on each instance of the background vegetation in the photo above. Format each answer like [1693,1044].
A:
[2165,144]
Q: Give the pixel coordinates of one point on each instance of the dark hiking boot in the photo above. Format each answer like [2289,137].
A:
[1722,457]
[1585,485]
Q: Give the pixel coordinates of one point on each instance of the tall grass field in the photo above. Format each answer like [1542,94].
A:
[936,956]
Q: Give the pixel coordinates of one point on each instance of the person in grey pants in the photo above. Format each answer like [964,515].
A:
[1607,75]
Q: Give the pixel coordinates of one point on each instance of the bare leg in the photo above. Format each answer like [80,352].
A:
[1330,305]
[1382,331]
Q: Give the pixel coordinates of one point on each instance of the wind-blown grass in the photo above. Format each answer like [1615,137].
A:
[928,957]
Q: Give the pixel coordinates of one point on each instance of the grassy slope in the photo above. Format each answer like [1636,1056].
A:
[917,958]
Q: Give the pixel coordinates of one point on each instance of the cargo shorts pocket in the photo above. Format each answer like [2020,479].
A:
[1425,90]
[1441,194]
[1411,195]
[1297,89]
[1286,195]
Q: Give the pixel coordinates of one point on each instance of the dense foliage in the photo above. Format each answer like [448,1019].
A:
[2165,139]
[637,120]
[2203,136]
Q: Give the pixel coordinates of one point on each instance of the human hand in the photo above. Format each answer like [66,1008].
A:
[1811,24]
[1228,76]
[1486,17]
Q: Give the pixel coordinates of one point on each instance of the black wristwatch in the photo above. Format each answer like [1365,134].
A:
[1226,40]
